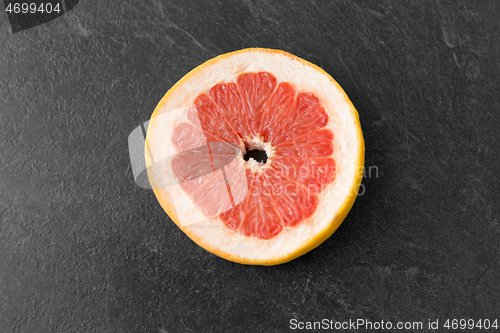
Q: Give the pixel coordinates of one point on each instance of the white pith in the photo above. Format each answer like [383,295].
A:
[342,122]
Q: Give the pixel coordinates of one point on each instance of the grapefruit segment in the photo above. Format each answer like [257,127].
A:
[294,203]
[277,111]
[223,148]
[255,90]
[186,136]
[212,197]
[260,216]
[237,181]
[234,218]
[318,143]
[315,173]
[190,166]
[211,121]
[309,115]
[227,97]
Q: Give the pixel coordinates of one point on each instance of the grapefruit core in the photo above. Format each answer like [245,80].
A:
[262,155]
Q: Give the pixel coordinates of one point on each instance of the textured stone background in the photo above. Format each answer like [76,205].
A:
[85,250]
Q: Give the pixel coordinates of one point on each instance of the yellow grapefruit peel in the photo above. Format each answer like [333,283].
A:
[282,65]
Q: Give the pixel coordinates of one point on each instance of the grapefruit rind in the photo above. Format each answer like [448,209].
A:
[335,200]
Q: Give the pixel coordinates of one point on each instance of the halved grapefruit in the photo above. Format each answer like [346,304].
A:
[252,210]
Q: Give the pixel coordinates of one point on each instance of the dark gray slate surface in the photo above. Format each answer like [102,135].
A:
[85,250]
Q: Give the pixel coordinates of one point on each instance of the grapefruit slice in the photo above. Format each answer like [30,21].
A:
[264,211]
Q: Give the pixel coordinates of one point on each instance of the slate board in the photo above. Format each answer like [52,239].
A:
[83,249]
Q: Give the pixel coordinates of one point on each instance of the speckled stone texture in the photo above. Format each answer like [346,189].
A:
[83,249]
